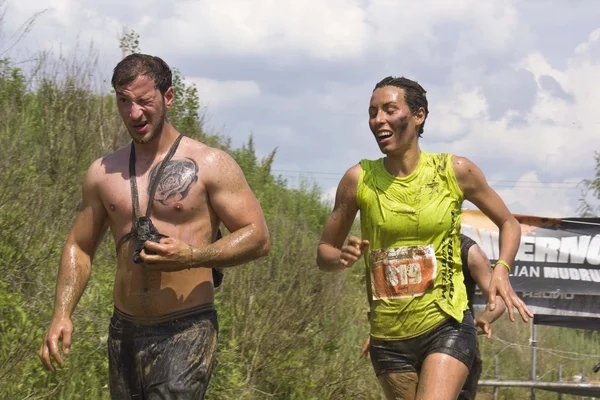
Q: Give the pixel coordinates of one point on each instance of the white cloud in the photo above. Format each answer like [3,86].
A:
[326,30]
[216,94]
[458,108]
[583,50]
[330,30]
[531,196]
[62,24]
[495,27]
[556,137]
[489,26]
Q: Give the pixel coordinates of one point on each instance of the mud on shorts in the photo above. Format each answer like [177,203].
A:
[169,357]
[457,339]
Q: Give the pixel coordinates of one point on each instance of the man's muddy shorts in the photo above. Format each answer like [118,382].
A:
[450,337]
[170,357]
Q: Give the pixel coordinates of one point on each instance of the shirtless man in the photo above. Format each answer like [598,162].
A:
[163,333]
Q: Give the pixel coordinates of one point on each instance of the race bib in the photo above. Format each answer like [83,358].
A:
[402,272]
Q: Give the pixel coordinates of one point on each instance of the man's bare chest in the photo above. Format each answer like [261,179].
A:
[179,192]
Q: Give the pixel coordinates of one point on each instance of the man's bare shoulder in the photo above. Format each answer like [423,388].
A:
[116,161]
[211,158]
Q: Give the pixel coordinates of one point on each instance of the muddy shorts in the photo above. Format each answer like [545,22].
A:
[450,337]
[170,357]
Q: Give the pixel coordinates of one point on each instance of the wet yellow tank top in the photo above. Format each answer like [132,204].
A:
[413,265]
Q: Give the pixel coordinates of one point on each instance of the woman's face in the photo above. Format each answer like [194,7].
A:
[391,121]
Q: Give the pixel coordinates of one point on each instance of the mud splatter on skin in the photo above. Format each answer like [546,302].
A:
[400,124]
[400,385]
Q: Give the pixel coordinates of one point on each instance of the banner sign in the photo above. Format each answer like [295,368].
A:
[557,268]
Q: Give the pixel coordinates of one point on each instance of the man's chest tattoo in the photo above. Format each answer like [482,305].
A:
[176,180]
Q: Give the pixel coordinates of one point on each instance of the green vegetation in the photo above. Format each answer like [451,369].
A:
[589,204]
[288,331]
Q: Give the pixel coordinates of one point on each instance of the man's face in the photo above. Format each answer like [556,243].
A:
[390,119]
[143,108]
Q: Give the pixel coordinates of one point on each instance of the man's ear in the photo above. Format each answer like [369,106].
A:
[169,97]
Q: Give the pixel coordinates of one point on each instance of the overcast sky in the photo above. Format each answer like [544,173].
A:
[512,84]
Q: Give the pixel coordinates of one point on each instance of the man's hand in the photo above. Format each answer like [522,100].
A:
[483,323]
[365,349]
[170,255]
[353,251]
[60,330]
[500,285]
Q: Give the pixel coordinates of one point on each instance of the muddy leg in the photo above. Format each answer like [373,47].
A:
[399,386]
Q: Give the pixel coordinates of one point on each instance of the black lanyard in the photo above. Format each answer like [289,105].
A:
[153,182]
[153,185]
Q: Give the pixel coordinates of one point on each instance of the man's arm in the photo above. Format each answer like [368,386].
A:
[74,268]
[476,189]
[332,255]
[479,268]
[238,209]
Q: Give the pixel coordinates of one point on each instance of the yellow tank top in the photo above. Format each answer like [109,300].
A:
[413,265]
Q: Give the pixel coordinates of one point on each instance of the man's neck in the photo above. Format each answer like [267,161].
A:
[158,147]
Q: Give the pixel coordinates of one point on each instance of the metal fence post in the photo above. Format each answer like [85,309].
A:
[560,378]
[582,378]
[496,376]
[533,356]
